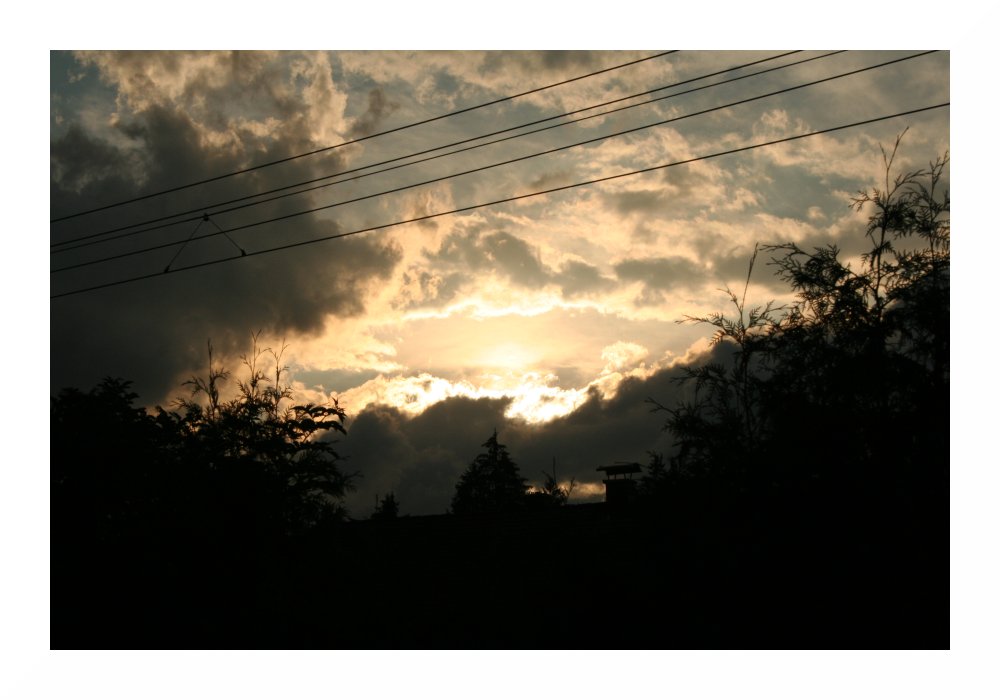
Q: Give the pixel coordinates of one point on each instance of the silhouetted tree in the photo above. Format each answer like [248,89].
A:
[865,353]
[387,508]
[107,463]
[656,476]
[491,484]
[551,494]
[811,475]
[859,361]
[260,435]
[719,429]
[187,520]
[551,488]
[121,471]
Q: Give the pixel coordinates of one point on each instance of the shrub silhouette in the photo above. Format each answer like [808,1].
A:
[551,494]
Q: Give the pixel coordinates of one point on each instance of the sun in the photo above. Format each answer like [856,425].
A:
[509,356]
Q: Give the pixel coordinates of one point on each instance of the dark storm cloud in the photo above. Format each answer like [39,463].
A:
[154,331]
[601,431]
[80,162]
[170,145]
[420,458]
[156,150]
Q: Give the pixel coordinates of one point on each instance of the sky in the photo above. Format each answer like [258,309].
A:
[550,318]
[34,671]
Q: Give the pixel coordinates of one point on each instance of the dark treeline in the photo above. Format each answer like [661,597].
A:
[817,454]
[805,505]
[162,524]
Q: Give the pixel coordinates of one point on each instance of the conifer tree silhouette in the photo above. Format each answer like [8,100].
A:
[386,508]
[491,484]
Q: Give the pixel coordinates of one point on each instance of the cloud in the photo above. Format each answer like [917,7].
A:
[531,396]
[531,62]
[638,201]
[623,355]
[155,336]
[379,107]
[557,178]
[422,288]
[657,275]
[580,279]
[214,88]
[80,161]
[173,124]
[476,253]
[420,457]
[572,296]
[515,258]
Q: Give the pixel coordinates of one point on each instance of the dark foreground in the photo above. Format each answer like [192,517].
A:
[702,572]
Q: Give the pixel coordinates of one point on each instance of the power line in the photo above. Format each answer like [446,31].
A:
[359,139]
[492,165]
[204,219]
[65,245]
[212,207]
[509,199]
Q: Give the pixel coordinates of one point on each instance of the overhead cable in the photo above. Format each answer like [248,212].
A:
[359,139]
[214,208]
[490,166]
[506,199]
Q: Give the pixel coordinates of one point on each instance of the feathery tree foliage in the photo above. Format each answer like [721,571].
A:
[255,456]
[173,525]
[551,488]
[262,432]
[551,494]
[850,381]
